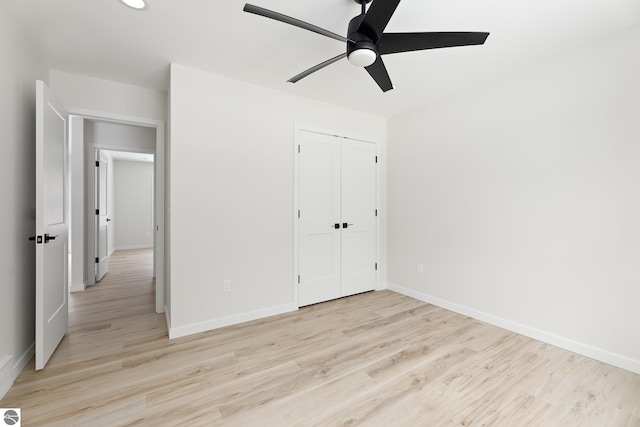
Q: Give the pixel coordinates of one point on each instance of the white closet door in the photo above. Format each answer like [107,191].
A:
[319,211]
[358,201]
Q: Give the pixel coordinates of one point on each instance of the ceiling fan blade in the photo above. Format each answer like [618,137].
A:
[320,66]
[257,10]
[378,71]
[406,42]
[377,18]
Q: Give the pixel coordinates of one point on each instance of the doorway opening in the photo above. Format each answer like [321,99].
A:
[136,147]
[125,212]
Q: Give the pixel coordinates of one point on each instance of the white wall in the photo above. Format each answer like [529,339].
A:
[18,73]
[94,94]
[133,199]
[231,192]
[521,200]
[120,136]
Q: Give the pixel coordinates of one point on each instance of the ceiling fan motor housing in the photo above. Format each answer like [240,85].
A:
[361,49]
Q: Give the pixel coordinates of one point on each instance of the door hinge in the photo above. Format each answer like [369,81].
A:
[298,213]
[376,265]
[97,211]
[97,260]
[298,148]
[376,159]
[376,212]
[97,164]
[298,279]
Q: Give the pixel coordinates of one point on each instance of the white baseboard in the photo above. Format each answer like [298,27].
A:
[9,370]
[6,378]
[546,337]
[221,322]
[78,287]
[126,248]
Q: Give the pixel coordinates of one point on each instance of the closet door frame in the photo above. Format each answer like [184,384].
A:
[298,128]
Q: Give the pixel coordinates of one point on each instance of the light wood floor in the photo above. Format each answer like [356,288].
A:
[377,359]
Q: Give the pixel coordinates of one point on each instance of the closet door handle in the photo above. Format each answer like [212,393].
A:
[345,225]
[336,226]
[47,238]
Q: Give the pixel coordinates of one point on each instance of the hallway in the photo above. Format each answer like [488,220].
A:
[106,323]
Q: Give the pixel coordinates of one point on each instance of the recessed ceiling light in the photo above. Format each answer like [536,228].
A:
[135,4]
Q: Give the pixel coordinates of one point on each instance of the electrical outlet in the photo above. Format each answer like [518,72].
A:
[226,286]
[420,269]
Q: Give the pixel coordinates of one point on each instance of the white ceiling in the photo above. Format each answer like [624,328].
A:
[105,39]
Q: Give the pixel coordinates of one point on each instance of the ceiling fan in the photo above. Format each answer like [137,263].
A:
[366,41]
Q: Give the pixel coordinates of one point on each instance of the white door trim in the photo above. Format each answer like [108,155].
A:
[296,202]
[159,186]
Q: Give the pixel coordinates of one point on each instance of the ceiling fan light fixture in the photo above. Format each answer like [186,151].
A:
[363,57]
[135,4]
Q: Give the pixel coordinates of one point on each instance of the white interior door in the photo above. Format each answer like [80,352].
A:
[319,214]
[358,202]
[337,240]
[52,309]
[102,216]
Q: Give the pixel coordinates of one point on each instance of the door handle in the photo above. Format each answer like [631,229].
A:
[47,238]
[108,219]
[336,226]
[345,225]
[37,239]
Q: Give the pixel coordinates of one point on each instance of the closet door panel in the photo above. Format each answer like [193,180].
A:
[319,206]
[358,206]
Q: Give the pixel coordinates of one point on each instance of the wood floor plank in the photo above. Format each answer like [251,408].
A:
[310,404]
[377,359]
[386,396]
